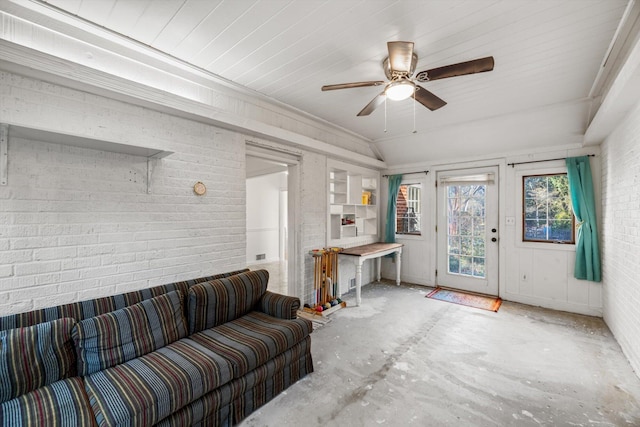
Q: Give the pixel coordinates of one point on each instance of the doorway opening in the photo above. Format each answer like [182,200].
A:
[270,214]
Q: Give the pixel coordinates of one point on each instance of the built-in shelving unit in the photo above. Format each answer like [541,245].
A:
[353,209]
[12,131]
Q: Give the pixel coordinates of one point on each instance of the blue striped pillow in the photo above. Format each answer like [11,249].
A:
[35,356]
[219,301]
[114,338]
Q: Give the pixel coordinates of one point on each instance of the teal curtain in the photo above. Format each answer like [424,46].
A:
[390,229]
[584,208]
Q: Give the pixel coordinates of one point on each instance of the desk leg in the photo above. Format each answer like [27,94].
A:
[379,267]
[398,264]
[358,280]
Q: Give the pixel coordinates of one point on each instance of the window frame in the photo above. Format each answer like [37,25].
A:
[532,174]
[420,215]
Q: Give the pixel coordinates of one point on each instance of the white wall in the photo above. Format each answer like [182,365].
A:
[78,223]
[535,274]
[542,273]
[621,235]
[263,216]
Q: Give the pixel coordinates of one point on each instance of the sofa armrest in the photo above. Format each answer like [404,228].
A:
[278,305]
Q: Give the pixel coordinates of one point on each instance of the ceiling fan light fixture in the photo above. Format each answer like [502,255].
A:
[400,89]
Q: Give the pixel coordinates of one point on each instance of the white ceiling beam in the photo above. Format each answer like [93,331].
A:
[26,61]
[623,86]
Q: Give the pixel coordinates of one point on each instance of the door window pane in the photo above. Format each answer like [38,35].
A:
[466,229]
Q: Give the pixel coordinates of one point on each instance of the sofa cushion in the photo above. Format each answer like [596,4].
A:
[190,283]
[254,388]
[90,308]
[253,339]
[143,391]
[113,338]
[218,301]
[95,307]
[35,356]
[63,403]
[264,383]
[212,409]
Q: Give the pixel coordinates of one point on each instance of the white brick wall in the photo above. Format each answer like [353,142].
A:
[313,197]
[621,235]
[77,223]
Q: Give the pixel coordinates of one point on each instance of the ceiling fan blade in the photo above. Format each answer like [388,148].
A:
[351,85]
[470,67]
[428,99]
[375,103]
[400,56]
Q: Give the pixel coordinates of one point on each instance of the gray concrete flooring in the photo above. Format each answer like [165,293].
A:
[402,359]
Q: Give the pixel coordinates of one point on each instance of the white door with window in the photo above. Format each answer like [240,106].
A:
[467,230]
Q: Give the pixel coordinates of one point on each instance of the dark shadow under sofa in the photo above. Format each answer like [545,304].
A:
[202,352]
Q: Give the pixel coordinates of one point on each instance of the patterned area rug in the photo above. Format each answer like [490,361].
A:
[483,302]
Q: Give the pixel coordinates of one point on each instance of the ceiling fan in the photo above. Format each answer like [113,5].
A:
[399,67]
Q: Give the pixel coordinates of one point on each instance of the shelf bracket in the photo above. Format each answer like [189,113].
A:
[4,153]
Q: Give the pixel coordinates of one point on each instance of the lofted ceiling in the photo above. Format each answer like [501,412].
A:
[548,55]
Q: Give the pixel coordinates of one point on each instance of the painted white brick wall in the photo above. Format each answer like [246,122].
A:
[621,235]
[77,223]
[313,196]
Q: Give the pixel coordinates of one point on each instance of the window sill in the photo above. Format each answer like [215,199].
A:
[565,247]
[409,237]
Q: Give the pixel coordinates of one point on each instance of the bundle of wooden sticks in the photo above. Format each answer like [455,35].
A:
[325,281]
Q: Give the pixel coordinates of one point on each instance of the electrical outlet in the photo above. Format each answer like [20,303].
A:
[510,220]
[524,277]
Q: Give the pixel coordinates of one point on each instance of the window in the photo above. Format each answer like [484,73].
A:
[547,213]
[408,209]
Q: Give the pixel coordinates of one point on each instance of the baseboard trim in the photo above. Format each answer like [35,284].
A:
[553,304]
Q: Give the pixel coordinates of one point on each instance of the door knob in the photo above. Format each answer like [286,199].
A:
[493,230]
[493,239]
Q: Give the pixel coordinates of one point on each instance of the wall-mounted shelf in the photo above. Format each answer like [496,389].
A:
[13,131]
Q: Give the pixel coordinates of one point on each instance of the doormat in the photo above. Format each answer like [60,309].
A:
[483,302]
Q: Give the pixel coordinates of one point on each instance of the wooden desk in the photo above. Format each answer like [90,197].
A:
[375,250]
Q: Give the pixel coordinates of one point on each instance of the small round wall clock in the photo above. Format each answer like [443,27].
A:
[199,188]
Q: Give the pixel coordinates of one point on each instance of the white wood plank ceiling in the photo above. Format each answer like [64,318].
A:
[547,55]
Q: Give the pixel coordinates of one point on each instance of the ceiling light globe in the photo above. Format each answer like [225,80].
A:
[397,91]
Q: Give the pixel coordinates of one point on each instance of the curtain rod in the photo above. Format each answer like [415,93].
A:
[407,173]
[538,161]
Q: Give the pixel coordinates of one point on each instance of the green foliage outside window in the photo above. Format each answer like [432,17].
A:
[548,216]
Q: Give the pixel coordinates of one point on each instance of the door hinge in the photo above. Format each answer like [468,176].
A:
[436,273]
[436,228]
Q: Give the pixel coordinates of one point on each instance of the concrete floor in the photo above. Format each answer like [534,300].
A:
[402,359]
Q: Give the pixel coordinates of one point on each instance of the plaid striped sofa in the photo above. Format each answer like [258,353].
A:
[203,352]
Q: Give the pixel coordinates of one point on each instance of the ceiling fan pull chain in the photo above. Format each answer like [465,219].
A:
[414,112]
[385,114]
